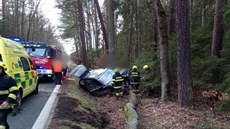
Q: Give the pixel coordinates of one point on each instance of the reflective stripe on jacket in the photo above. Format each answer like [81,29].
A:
[117,80]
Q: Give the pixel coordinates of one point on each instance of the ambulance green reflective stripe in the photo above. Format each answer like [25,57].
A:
[31,82]
[17,77]
[23,84]
[26,75]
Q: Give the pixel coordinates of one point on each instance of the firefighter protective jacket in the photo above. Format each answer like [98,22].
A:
[117,79]
[8,89]
[134,76]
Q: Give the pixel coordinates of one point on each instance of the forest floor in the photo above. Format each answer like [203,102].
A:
[76,109]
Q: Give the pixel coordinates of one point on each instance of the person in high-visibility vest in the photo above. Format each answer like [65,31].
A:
[118,82]
[134,77]
[57,66]
[8,93]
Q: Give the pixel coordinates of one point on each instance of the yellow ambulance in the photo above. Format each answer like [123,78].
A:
[19,66]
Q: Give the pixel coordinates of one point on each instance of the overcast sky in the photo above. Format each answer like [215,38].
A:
[52,13]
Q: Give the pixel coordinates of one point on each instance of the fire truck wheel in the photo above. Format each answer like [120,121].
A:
[51,79]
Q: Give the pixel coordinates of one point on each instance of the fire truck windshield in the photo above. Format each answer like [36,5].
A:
[41,52]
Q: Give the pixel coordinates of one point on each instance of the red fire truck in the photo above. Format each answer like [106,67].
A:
[42,55]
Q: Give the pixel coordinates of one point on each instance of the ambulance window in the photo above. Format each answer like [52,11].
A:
[25,64]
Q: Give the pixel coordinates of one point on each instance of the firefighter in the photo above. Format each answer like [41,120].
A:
[134,77]
[8,93]
[146,75]
[125,74]
[118,81]
[146,70]
[57,66]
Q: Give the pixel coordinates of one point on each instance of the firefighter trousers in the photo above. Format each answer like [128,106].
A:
[3,118]
[58,78]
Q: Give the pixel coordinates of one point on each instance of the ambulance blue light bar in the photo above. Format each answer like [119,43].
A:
[16,39]
[34,44]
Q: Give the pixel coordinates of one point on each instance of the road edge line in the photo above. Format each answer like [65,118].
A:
[43,118]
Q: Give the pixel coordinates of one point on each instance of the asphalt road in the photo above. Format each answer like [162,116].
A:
[31,107]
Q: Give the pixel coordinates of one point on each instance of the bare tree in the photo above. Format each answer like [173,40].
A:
[164,59]
[81,19]
[22,33]
[16,17]
[3,16]
[96,31]
[33,11]
[102,26]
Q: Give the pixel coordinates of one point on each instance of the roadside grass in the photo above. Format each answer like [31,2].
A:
[73,90]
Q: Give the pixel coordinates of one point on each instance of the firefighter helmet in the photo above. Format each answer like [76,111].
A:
[145,67]
[116,70]
[134,67]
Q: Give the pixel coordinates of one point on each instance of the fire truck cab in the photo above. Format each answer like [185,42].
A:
[43,55]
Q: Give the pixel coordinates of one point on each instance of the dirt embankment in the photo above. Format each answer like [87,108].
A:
[76,109]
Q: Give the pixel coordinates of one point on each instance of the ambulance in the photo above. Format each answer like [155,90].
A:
[19,66]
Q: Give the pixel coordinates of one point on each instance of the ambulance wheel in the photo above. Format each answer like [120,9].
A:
[36,90]
[19,99]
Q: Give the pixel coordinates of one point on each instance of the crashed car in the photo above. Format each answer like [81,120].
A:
[98,82]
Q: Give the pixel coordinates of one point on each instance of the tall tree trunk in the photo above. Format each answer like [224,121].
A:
[218,30]
[96,33]
[164,59]
[130,30]
[22,19]
[111,33]
[102,26]
[89,19]
[31,19]
[184,78]
[171,30]
[171,24]
[137,47]
[76,43]
[4,17]
[203,16]
[16,27]
[82,31]
[154,31]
